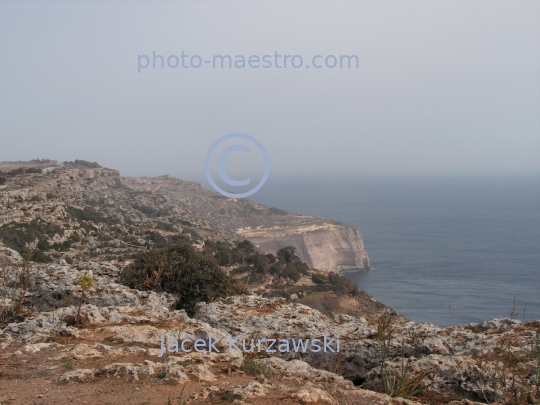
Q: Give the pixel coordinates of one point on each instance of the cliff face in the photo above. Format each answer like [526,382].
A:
[126,210]
[328,247]
[322,243]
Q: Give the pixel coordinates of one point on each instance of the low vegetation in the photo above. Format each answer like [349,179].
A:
[285,269]
[90,215]
[284,265]
[181,270]
[15,280]
[254,368]
[20,170]
[503,374]
[82,163]
[35,235]
[86,283]
[151,212]
[405,383]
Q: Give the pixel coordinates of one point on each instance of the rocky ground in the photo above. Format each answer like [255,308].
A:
[113,357]
[87,221]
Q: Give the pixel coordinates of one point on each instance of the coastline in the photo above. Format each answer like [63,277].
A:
[468,243]
[348,270]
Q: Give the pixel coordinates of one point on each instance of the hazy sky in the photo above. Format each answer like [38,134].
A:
[445,87]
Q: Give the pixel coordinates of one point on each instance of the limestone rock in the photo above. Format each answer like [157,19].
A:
[61,196]
[311,395]
[250,390]
[128,371]
[175,373]
[323,245]
[34,348]
[135,322]
[202,373]
[79,375]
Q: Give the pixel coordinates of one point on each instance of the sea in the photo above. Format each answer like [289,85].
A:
[449,251]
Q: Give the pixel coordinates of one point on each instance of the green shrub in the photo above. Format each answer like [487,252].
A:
[83,163]
[156,238]
[271,258]
[246,247]
[319,278]
[151,211]
[18,276]
[15,172]
[277,211]
[89,214]
[224,257]
[165,226]
[179,269]
[259,261]
[86,283]
[281,294]
[288,264]
[254,368]
[406,383]
[34,170]
[343,285]
[18,236]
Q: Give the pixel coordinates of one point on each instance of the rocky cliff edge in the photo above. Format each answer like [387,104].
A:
[95,212]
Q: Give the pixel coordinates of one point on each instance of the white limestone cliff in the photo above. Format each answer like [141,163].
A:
[328,247]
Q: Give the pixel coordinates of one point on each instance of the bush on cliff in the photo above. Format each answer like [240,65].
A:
[342,284]
[289,264]
[83,163]
[319,278]
[179,269]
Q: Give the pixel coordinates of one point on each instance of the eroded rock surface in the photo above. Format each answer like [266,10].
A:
[122,332]
[95,211]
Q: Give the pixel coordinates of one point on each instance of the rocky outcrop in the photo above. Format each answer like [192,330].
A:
[455,360]
[327,247]
[120,340]
[119,322]
[322,243]
[104,213]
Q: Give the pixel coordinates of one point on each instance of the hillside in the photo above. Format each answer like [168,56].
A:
[84,210]
[117,355]
[76,329]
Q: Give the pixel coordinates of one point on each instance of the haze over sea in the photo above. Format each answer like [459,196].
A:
[472,244]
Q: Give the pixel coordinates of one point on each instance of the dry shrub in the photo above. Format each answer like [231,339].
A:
[179,269]
[14,283]
[509,375]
